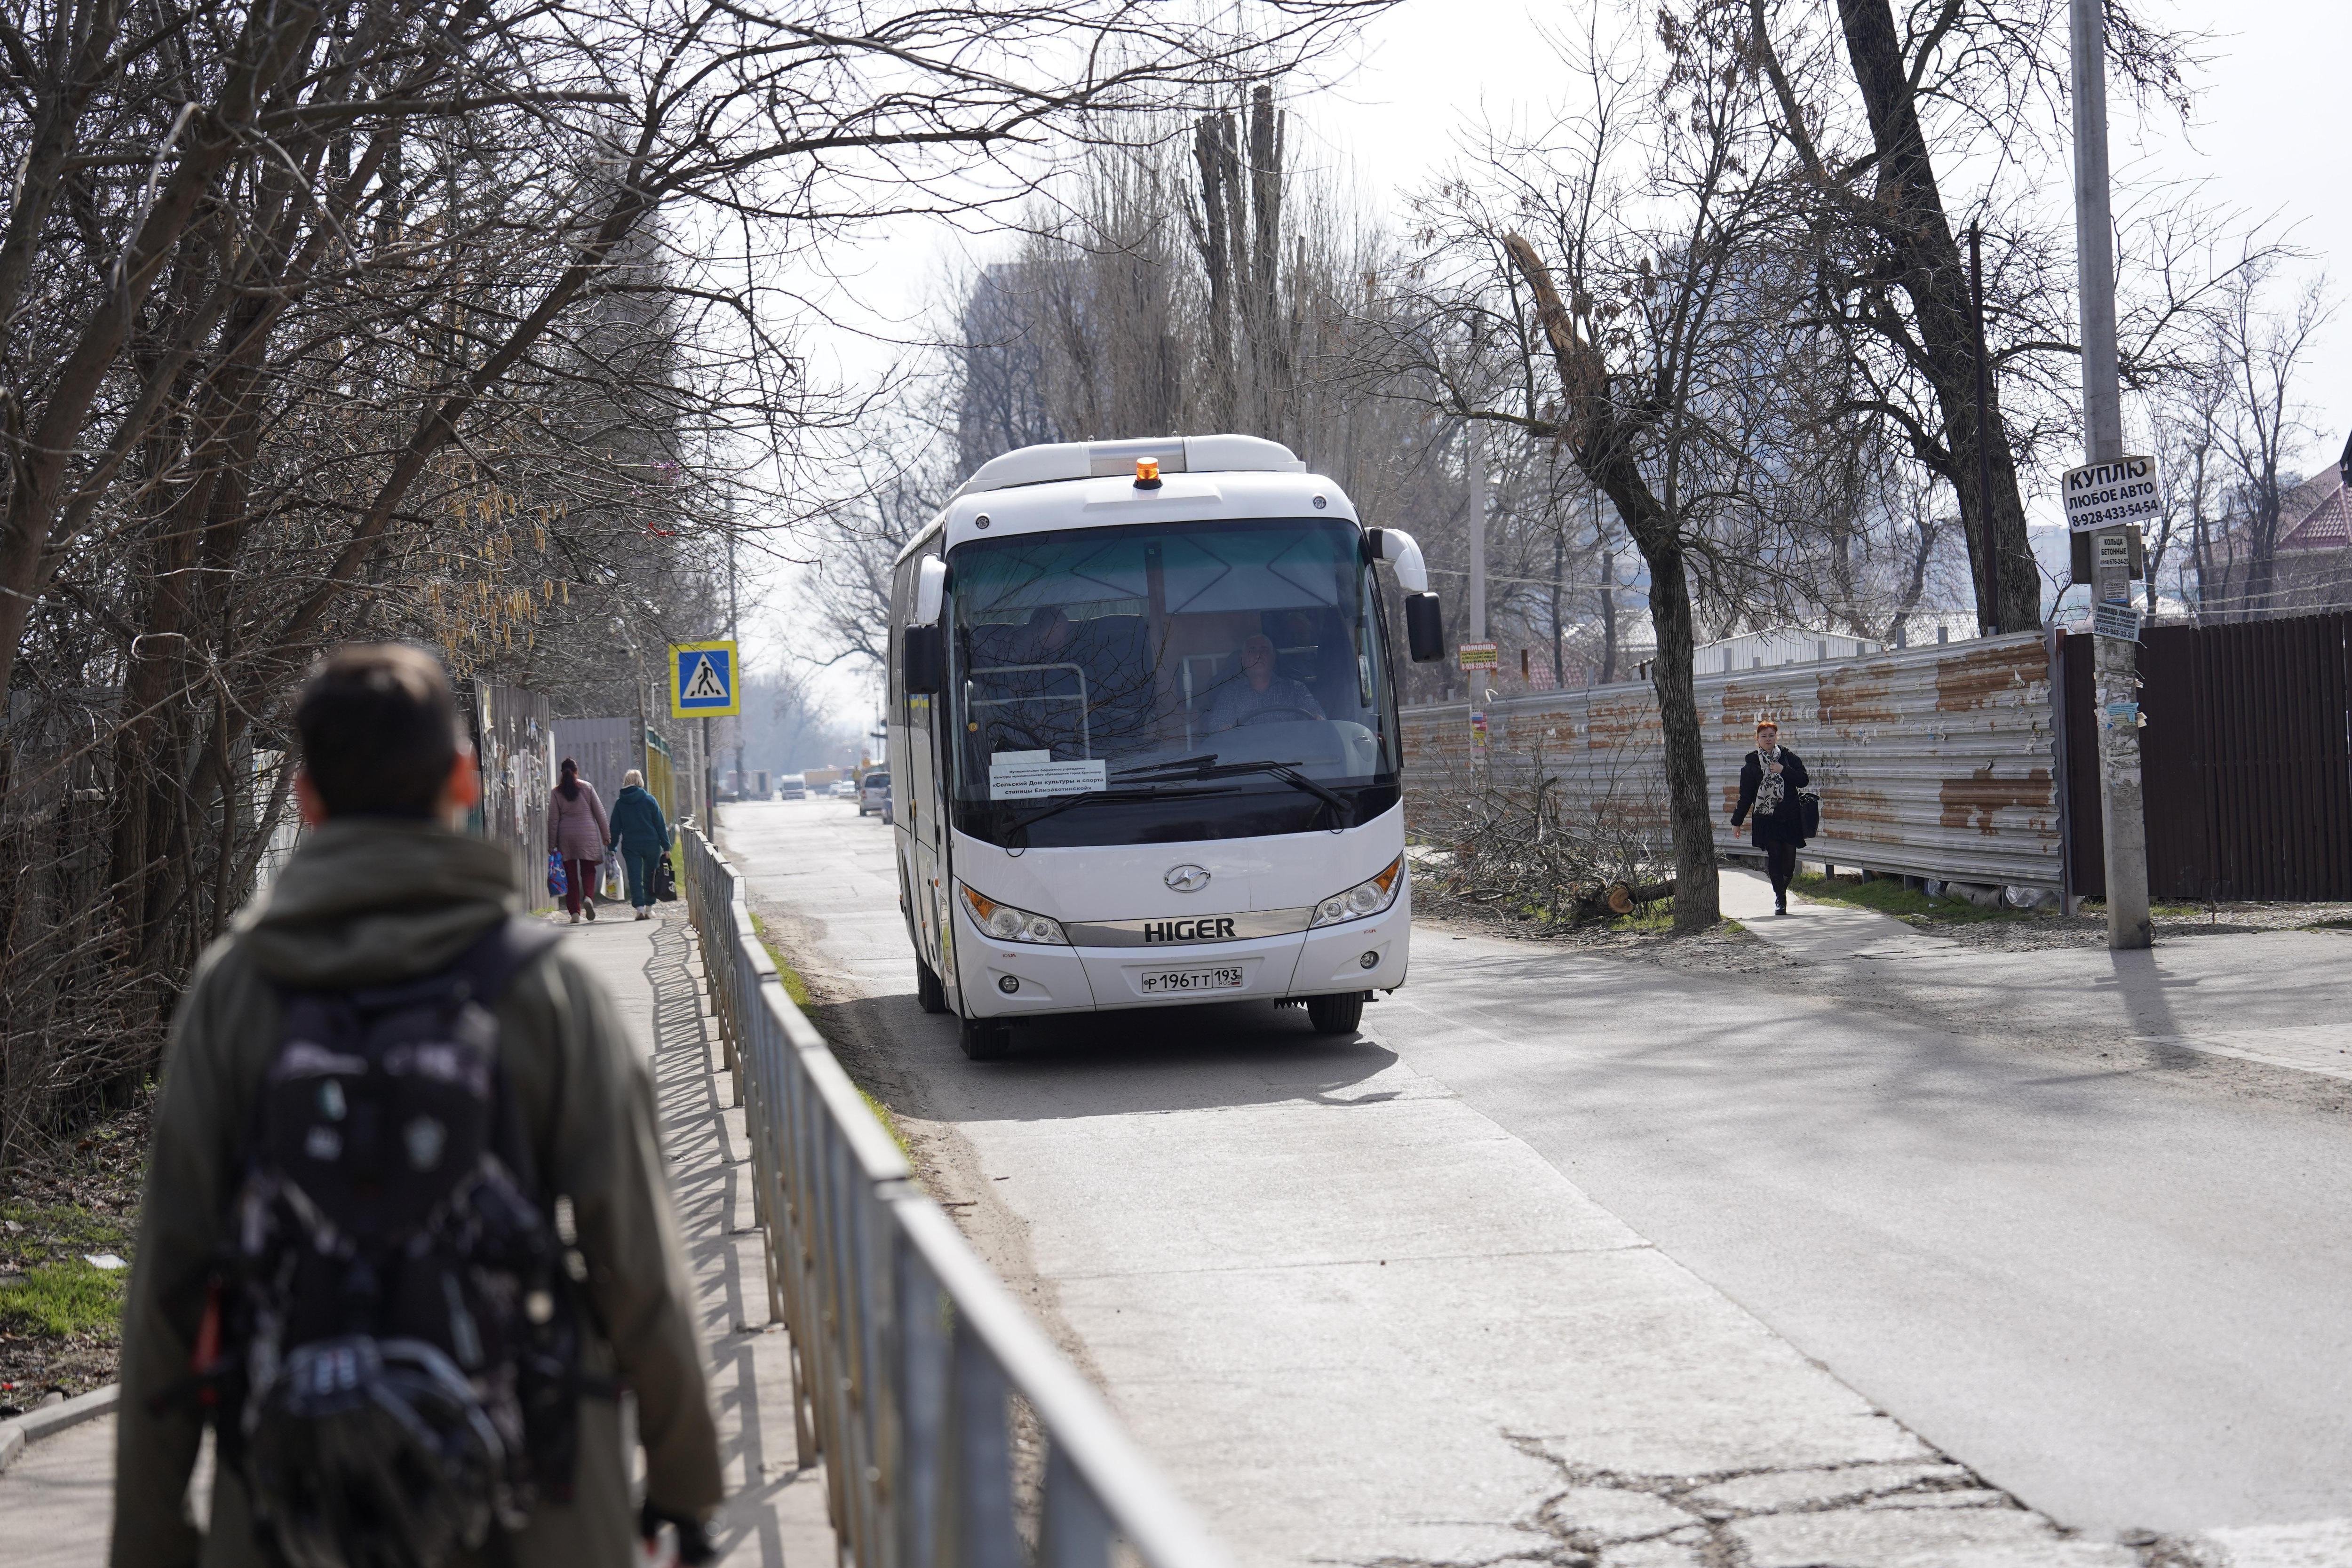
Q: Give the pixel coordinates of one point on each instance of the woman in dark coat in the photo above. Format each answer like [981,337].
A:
[642,836]
[1769,780]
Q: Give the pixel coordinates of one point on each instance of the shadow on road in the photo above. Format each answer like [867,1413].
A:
[1110,1064]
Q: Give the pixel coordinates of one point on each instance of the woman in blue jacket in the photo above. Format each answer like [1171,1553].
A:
[642,835]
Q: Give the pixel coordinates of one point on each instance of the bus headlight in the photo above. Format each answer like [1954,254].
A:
[1369,897]
[1006,923]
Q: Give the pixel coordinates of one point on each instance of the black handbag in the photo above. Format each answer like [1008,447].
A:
[1809,806]
[665,881]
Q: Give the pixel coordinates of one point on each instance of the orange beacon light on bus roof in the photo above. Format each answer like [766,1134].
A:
[1147,473]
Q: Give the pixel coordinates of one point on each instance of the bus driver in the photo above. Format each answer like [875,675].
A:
[1259,690]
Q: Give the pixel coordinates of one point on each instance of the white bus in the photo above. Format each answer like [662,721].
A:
[1143,737]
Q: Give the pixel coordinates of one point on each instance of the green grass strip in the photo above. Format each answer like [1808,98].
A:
[797,986]
[63,1298]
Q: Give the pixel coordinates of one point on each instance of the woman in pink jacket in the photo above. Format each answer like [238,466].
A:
[577,831]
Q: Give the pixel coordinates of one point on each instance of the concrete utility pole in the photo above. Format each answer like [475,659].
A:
[2116,661]
[735,635]
[1474,470]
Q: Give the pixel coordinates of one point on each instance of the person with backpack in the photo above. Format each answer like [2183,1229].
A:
[641,834]
[406,1235]
[576,830]
[1770,778]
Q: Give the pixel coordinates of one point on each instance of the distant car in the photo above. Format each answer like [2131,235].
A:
[874,795]
[791,787]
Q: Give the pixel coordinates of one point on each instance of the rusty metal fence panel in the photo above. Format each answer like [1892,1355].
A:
[1933,762]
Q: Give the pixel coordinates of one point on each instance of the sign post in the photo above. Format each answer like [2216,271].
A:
[2114,490]
[704,683]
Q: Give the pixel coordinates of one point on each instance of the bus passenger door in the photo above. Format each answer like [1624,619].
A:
[926,803]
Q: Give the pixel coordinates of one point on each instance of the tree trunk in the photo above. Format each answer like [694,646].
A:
[1559,634]
[1601,450]
[1698,894]
[1212,150]
[1926,264]
[1608,617]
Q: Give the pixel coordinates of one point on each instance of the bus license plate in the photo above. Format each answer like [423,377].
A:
[1160,981]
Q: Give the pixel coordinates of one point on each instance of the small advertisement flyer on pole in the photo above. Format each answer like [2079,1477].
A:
[2120,622]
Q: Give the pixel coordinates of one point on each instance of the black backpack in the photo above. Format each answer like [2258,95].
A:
[400,1326]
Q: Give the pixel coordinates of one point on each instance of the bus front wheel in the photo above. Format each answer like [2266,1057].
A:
[985,1040]
[1335,1015]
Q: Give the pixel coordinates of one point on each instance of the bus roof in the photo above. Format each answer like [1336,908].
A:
[1109,459]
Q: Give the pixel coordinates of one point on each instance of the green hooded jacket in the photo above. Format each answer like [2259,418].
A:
[366,901]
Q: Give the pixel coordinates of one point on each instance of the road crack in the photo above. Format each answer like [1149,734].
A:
[1598,1517]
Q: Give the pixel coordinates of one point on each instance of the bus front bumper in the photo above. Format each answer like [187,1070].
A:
[1046,979]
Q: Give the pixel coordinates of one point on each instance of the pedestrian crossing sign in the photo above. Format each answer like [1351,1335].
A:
[702,680]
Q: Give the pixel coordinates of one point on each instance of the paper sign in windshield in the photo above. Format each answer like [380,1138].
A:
[1032,775]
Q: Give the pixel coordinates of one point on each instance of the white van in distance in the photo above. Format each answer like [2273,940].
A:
[1143,740]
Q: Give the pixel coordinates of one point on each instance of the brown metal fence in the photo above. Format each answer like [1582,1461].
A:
[1933,762]
[2245,762]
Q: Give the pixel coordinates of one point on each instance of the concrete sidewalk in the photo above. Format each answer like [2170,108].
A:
[775,1511]
[1819,932]
[55,1499]
[2272,998]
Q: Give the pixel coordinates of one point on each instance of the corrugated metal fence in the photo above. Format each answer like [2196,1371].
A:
[606,749]
[1935,761]
[2245,765]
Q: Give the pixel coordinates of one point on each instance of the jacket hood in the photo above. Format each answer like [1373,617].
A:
[371,899]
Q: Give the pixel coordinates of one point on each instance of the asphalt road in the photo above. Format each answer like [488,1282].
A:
[1620,1218]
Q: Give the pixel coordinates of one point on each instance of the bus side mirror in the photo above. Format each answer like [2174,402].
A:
[930,590]
[1401,550]
[1425,627]
[923,655]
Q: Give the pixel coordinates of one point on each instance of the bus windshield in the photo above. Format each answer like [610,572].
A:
[1153,683]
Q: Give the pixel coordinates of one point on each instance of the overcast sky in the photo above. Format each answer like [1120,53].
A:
[2270,139]
[2273,130]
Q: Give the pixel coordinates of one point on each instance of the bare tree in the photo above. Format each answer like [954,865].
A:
[422,318]
[1881,109]
[1666,198]
[2252,426]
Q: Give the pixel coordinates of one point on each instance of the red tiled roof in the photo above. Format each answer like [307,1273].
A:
[2324,524]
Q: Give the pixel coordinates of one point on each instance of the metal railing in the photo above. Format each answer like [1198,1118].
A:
[911,1357]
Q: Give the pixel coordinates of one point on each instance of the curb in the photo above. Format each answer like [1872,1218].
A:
[19,1435]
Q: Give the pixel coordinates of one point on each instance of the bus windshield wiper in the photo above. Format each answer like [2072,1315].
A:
[1208,767]
[1152,770]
